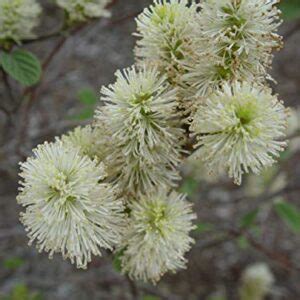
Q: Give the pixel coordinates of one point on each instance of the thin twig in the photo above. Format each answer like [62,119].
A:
[133,288]
[123,19]
[280,258]
[5,111]
[111,4]
[256,201]
[43,37]
[31,92]
[8,87]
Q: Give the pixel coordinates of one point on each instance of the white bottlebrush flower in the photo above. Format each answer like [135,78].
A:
[67,209]
[207,73]
[81,10]
[140,118]
[166,35]
[158,236]
[18,19]
[90,141]
[237,38]
[257,282]
[240,128]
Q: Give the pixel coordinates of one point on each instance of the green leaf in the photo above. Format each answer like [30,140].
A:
[85,114]
[13,263]
[87,96]
[249,219]
[289,213]
[21,292]
[22,65]
[243,242]
[290,9]
[284,155]
[189,186]
[202,227]
[117,263]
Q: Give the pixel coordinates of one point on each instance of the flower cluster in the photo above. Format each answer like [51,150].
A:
[81,10]
[157,237]
[238,36]
[92,142]
[68,207]
[140,116]
[166,31]
[199,80]
[18,19]
[240,128]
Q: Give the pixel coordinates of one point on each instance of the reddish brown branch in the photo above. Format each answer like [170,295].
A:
[32,92]
[280,258]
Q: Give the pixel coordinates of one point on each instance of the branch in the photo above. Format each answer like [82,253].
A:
[10,95]
[133,288]
[256,200]
[43,37]
[32,91]
[111,4]
[123,19]
[8,87]
[280,258]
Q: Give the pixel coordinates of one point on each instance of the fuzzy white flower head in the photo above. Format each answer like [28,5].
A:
[67,209]
[90,141]
[166,31]
[208,73]
[238,36]
[257,281]
[17,19]
[140,117]
[240,128]
[81,10]
[158,236]
[241,25]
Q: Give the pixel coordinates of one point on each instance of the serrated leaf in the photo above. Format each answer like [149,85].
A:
[22,65]
[290,9]
[249,219]
[289,213]
[87,96]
